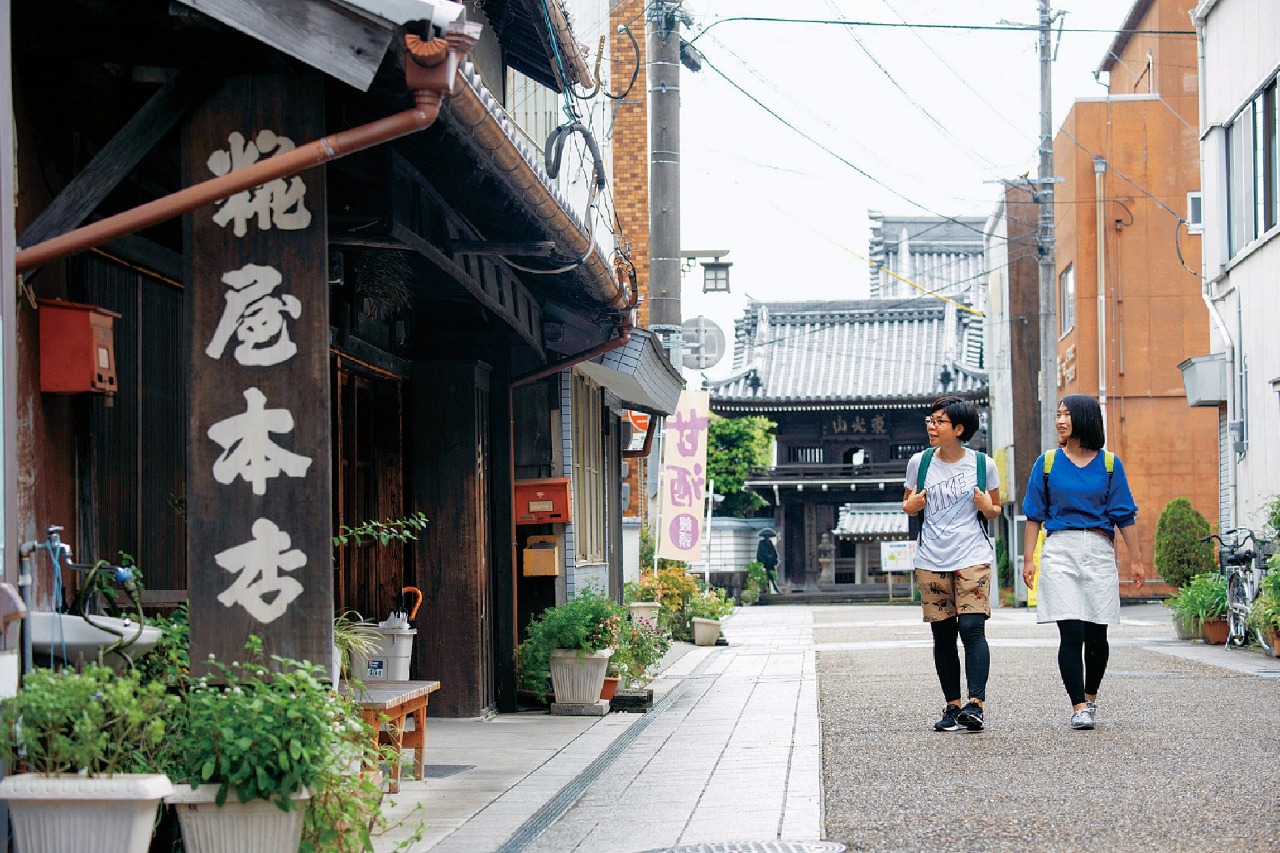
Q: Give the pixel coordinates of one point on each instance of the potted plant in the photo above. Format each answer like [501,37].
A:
[1202,604]
[706,610]
[637,645]
[251,748]
[642,597]
[89,742]
[567,647]
[1265,613]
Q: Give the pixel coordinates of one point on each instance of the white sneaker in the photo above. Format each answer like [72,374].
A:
[1093,710]
[1081,719]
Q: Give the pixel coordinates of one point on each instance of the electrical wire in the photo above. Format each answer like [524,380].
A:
[1017,28]
[707,62]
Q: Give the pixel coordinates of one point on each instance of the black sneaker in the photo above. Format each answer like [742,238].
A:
[948,722]
[970,717]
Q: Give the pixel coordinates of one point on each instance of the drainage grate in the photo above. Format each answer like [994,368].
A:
[443,771]
[555,808]
[755,847]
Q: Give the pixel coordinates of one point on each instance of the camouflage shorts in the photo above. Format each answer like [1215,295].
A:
[947,594]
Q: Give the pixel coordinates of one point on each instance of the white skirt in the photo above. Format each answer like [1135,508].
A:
[1079,579]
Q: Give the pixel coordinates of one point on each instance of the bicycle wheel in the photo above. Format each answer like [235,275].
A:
[1237,611]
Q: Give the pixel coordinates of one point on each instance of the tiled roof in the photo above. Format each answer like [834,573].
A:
[872,521]
[846,352]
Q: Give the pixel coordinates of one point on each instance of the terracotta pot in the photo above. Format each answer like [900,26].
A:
[1214,631]
[610,686]
[1274,639]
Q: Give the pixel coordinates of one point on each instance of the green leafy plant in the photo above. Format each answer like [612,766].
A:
[734,447]
[637,645]
[749,596]
[383,532]
[1179,554]
[644,589]
[263,734]
[1202,599]
[710,604]
[94,721]
[580,624]
[169,661]
[354,634]
[757,576]
[1004,567]
[1265,614]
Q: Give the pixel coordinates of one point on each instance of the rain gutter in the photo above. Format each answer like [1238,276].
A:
[431,68]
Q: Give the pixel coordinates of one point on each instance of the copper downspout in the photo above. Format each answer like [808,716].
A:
[624,336]
[430,70]
[648,441]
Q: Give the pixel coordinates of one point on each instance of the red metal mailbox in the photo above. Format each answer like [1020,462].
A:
[543,501]
[77,347]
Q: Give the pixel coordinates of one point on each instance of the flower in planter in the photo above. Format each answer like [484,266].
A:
[637,645]
[710,603]
[647,588]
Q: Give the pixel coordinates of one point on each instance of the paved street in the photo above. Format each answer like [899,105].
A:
[816,723]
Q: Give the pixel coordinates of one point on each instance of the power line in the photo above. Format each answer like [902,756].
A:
[707,62]
[1016,28]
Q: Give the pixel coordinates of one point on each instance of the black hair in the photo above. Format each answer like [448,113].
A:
[1086,421]
[960,412]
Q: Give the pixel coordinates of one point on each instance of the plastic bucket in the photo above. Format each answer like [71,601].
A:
[389,661]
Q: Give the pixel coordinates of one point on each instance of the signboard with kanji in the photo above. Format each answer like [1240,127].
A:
[259,552]
[684,476]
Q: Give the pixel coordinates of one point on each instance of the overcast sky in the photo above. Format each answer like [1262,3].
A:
[934,115]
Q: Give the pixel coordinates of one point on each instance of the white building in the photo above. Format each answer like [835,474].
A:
[1240,171]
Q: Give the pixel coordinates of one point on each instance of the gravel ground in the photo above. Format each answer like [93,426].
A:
[1186,756]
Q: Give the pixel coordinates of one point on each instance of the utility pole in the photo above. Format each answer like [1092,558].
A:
[663,25]
[1045,240]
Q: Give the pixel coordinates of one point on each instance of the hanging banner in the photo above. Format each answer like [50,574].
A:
[684,475]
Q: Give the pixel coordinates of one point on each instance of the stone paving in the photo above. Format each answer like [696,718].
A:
[816,723]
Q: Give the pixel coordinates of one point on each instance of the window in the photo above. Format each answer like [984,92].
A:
[1066,301]
[1195,213]
[588,471]
[805,455]
[1253,170]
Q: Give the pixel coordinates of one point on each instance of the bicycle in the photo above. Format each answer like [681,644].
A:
[1243,561]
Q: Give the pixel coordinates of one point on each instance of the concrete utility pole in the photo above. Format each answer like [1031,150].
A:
[1045,240]
[663,24]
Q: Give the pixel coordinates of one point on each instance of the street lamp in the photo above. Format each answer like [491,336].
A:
[715,272]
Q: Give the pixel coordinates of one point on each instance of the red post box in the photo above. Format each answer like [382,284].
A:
[77,347]
[544,501]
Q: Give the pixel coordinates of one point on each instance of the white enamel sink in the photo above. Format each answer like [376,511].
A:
[59,635]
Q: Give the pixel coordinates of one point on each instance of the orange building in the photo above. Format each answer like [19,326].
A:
[1128,285]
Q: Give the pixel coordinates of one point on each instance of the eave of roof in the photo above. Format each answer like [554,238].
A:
[1131,21]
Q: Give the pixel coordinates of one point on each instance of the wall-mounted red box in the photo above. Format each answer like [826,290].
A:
[77,349]
[543,501]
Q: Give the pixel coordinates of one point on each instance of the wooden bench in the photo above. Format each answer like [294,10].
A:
[394,702]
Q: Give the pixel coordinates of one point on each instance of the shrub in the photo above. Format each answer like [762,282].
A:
[1265,614]
[1179,554]
[637,645]
[749,596]
[1004,567]
[710,604]
[1203,598]
[580,624]
[757,577]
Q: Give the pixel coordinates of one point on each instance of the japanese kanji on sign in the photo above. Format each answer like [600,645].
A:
[684,477]
[259,552]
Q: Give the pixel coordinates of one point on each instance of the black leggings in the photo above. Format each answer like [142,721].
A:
[972,630]
[1082,657]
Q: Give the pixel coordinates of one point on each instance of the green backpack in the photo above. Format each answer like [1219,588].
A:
[915,523]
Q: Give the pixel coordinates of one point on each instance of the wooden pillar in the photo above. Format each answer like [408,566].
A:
[450,469]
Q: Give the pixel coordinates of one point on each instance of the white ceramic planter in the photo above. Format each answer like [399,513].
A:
[576,677]
[646,610]
[235,827]
[705,631]
[103,814]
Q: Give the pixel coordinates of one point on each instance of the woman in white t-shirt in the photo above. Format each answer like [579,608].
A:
[954,554]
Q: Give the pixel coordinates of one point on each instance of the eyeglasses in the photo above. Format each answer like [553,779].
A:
[935,422]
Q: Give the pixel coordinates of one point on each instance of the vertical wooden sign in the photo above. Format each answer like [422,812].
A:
[259,515]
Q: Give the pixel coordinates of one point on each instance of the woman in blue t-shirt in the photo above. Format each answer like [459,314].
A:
[1081,504]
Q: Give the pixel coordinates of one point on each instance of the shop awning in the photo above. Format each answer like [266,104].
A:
[872,521]
[639,374]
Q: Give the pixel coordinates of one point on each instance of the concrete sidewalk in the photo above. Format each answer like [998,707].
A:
[729,752]
[733,751]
